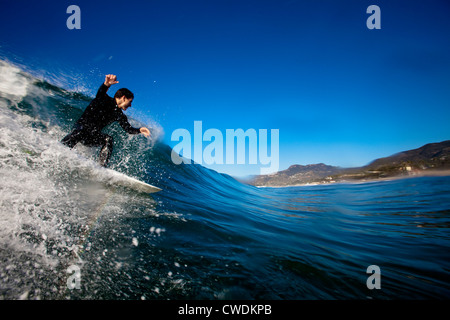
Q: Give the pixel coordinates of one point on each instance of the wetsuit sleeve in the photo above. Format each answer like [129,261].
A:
[102,91]
[123,121]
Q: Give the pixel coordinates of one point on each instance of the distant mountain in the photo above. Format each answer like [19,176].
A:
[432,155]
[296,174]
[428,159]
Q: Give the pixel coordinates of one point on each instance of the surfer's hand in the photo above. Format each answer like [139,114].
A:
[110,79]
[145,131]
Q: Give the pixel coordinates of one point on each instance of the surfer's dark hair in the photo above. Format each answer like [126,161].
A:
[124,92]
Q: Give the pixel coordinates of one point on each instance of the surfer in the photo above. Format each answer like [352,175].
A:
[102,111]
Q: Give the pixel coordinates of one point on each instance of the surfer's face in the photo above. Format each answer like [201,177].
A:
[124,103]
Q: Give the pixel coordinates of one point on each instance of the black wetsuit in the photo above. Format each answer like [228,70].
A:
[101,112]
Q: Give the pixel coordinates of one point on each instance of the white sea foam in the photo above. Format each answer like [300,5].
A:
[49,198]
[13,82]
[43,212]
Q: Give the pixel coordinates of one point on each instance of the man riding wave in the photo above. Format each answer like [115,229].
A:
[101,112]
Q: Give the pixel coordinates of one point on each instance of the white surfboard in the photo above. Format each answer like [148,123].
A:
[111,177]
[119,179]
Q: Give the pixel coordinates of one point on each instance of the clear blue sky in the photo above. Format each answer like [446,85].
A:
[338,92]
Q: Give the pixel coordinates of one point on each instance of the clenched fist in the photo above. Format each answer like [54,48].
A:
[110,79]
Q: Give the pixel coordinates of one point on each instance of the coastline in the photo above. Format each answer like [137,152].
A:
[415,174]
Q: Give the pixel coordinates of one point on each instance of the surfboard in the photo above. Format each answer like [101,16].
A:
[108,176]
[113,177]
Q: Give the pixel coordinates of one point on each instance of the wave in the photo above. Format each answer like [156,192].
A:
[206,235]
[49,201]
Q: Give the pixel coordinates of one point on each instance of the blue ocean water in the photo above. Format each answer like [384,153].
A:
[206,235]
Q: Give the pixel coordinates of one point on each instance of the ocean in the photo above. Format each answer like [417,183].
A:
[66,234]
